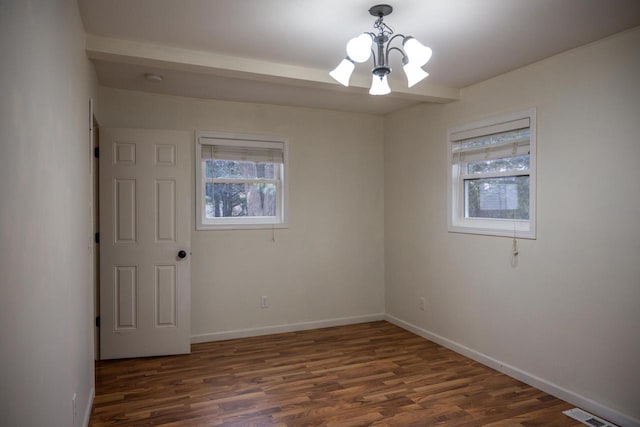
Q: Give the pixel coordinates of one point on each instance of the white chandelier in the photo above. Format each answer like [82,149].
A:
[366,45]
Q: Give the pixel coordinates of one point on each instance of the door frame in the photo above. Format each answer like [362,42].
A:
[94,199]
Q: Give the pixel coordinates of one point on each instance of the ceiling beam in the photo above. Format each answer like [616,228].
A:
[157,56]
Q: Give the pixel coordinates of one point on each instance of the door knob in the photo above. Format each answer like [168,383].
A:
[182,254]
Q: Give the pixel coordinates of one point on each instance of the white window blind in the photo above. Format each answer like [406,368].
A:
[490,147]
[272,152]
[476,131]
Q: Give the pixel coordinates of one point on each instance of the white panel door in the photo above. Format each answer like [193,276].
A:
[145,225]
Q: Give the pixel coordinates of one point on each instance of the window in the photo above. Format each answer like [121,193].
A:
[240,181]
[492,176]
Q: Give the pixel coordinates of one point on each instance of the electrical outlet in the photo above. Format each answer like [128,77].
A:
[421,304]
[263,302]
[74,407]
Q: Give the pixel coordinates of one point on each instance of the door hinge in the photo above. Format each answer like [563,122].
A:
[96,238]
[97,321]
[96,152]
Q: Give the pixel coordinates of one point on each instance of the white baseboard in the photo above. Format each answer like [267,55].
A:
[87,410]
[291,327]
[585,403]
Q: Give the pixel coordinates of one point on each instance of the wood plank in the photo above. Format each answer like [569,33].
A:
[366,374]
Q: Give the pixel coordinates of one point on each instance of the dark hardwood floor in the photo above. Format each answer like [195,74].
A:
[365,374]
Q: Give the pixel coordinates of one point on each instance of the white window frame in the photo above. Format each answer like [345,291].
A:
[244,141]
[457,220]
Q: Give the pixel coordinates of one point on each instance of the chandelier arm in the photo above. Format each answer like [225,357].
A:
[389,49]
[373,58]
[397,35]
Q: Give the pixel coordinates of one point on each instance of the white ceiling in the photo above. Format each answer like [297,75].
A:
[280,51]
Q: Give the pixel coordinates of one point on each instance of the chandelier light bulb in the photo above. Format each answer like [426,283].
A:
[359,48]
[418,53]
[379,85]
[342,73]
[414,73]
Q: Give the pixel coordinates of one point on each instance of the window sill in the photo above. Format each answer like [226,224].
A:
[498,228]
[206,227]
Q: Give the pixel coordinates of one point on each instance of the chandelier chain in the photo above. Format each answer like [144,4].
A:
[384,29]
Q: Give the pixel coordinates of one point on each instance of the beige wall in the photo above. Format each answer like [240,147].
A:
[329,263]
[46,294]
[569,313]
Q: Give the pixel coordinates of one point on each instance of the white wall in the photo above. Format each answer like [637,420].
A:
[569,313]
[329,263]
[46,296]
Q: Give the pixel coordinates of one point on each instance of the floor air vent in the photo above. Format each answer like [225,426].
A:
[587,418]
